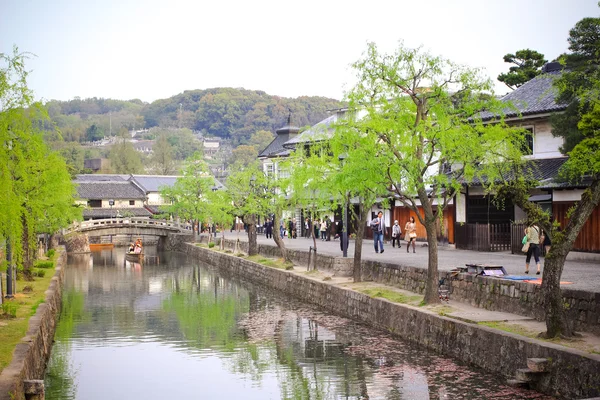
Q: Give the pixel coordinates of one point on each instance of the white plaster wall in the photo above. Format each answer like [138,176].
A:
[476,191]
[119,203]
[544,144]
[566,195]
[461,208]
[154,198]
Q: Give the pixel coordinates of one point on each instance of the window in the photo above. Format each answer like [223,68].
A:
[94,203]
[132,202]
[282,173]
[269,169]
[528,145]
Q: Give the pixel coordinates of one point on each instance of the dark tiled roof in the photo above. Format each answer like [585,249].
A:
[153,209]
[543,170]
[322,130]
[102,190]
[108,213]
[153,183]
[275,148]
[534,97]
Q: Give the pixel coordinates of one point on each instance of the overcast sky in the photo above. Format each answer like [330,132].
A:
[152,49]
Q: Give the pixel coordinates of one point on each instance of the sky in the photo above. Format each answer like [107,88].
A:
[154,49]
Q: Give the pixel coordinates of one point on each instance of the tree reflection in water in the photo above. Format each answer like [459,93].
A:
[256,335]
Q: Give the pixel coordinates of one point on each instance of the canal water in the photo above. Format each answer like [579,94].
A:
[172,327]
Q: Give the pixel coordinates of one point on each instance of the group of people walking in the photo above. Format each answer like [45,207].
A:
[379,229]
[323,230]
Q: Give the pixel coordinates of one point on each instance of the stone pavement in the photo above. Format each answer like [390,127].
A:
[584,275]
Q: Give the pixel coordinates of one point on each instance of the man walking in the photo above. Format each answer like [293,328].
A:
[269,228]
[378,226]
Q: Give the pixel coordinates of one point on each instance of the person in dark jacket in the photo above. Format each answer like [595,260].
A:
[269,228]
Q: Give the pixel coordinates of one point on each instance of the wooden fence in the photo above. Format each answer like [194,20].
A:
[517,231]
[483,237]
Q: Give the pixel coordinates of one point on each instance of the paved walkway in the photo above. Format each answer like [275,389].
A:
[584,275]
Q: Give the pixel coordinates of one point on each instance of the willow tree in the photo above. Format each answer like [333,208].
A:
[188,195]
[251,193]
[37,194]
[307,186]
[419,118]
[326,175]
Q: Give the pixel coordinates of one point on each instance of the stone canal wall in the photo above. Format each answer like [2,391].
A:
[522,298]
[516,297]
[573,374]
[32,353]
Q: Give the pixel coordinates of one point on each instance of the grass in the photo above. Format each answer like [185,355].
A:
[574,343]
[393,296]
[512,328]
[270,262]
[12,330]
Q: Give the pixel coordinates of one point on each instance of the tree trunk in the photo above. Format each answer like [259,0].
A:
[252,244]
[432,283]
[562,243]
[27,250]
[360,233]
[277,238]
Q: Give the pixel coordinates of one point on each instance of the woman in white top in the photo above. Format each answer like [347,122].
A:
[323,229]
[533,238]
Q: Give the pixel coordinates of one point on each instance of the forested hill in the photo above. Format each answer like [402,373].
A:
[223,112]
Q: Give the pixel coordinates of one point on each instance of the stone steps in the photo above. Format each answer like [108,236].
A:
[536,368]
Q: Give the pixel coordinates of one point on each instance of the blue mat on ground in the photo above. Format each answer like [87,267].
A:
[519,277]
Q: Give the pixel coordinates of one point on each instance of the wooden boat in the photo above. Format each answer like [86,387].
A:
[134,256]
[101,246]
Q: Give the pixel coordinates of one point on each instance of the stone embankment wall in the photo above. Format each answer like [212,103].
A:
[573,374]
[77,243]
[32,353]
[489,293]
[338,265]
[493,294]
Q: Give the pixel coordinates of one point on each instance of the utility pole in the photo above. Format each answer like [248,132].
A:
[110,123]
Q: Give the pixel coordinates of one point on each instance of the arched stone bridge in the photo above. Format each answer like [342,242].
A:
[129,226]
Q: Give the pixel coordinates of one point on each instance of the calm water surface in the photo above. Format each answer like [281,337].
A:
[173,328]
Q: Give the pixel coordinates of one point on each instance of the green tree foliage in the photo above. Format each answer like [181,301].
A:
[244,155]
[161,161]
[188,196]
[73,153]
[221,211]
[183,142]
[579,87]
[252,195]
[124,159]
[528,65]
[93,133]
[236,113]
[577,84]
[417,114]
[261,139]
[37,194]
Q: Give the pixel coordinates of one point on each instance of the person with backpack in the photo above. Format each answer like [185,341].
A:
[532,233]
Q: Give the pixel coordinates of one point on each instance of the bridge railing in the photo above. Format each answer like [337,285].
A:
[128,221]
